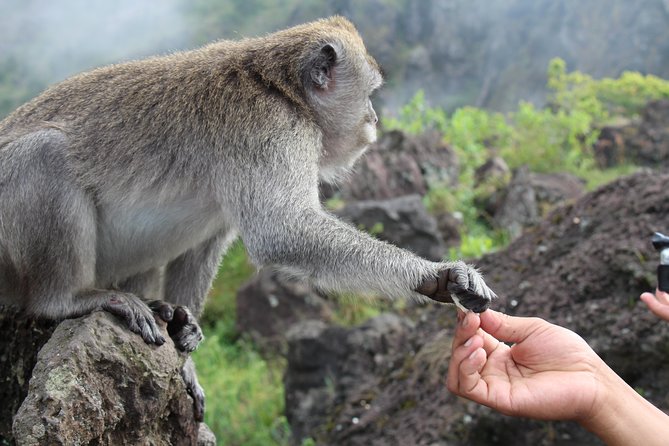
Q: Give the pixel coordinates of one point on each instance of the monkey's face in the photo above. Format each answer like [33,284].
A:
[342,84]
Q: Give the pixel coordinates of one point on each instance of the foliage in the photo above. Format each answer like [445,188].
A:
[416,117]
[244,391]
[551,140]
[351,310]
[220,310]
[625,95]
[555,138]
[472,132]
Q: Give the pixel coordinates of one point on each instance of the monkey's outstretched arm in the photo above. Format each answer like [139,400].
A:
[285,225]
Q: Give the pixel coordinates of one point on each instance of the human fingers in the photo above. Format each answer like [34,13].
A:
[462,357]
[468,323]
[658,308]
[662,296]
[509,328]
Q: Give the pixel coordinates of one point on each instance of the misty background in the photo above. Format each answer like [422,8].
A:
[487,53]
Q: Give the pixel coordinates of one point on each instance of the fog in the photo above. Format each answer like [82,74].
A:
[54,39]
[489,53]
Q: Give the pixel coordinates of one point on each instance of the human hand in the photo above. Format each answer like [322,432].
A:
[658,303]
[548,373]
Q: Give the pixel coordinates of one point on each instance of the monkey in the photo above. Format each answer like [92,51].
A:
[122,187]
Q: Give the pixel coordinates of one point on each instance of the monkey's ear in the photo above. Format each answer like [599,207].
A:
[321,69]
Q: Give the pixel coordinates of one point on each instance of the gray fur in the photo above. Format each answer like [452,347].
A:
[131,180]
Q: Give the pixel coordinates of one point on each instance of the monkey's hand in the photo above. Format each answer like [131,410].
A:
[460,284]
[136,314]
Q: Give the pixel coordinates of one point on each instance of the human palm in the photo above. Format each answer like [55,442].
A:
[548,373]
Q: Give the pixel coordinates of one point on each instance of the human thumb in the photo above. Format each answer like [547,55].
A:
[509,328]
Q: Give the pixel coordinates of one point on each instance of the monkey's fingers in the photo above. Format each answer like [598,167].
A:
[468,288]
[460,284]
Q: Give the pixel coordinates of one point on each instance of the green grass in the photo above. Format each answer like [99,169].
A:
[244,392]
[221,306]
[596,178]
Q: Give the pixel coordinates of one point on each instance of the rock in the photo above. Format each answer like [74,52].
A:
[18,354]
[490,181]
[583,266]
[401,164]
[205,436]
[402,221]
[270,303]
[529,196]
[643,141]
[326,361]
[449,227]
[518,208]
[96,382]
[609,149]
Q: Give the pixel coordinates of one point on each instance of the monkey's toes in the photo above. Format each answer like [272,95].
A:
[184,330]
[137,316]
[195,391]
[163,309]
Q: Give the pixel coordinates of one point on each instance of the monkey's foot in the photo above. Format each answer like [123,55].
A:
[194,389]
[460,284]
[184,330]
[162,309]
[136,314]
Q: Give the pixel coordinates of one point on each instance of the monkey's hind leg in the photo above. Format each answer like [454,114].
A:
[48,229]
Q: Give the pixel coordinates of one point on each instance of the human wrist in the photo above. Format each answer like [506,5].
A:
[612,398]
[620,416]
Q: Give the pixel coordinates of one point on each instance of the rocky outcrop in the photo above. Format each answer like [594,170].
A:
[530,196]
[644,141]
[270,303]
[324,362]
[401,164]
[23,339]
[95,382]
[583,267]
[402,221]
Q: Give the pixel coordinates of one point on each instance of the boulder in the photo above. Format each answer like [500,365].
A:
[402,221]
[325,362]
[400,164]
[643,141]
[18,355]
[95,382]
[530,196]
[270,303]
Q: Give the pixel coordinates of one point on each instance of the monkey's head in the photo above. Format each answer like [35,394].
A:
[338,77]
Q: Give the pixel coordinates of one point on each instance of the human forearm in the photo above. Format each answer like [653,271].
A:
[622,417]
